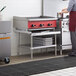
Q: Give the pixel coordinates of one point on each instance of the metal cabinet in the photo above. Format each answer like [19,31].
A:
[66,41]
[5,41]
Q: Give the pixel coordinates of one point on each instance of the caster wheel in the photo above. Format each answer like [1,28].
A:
[6,60]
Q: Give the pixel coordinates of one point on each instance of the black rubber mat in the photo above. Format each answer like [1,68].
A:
[36,67]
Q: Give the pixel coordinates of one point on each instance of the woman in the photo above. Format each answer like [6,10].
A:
[72,24]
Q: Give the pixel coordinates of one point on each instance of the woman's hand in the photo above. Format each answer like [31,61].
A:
[64,9]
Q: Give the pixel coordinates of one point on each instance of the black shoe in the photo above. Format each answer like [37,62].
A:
[72,54]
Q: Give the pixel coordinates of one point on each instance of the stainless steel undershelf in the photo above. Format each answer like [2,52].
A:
[40,47]
[45,33]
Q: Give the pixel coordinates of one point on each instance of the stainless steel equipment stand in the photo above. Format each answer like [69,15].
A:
[38,34]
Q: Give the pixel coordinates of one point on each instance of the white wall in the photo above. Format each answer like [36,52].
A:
[19,8]
[51,7]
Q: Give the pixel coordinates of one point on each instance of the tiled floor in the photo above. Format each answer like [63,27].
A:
[26,58]
[64,72]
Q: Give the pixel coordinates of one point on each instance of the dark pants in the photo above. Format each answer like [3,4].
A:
[73,41]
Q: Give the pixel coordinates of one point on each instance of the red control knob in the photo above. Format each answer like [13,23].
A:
[33,25]
[49,24]
[41,25]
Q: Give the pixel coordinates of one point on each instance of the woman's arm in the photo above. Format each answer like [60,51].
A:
[70,6]
[64,11]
